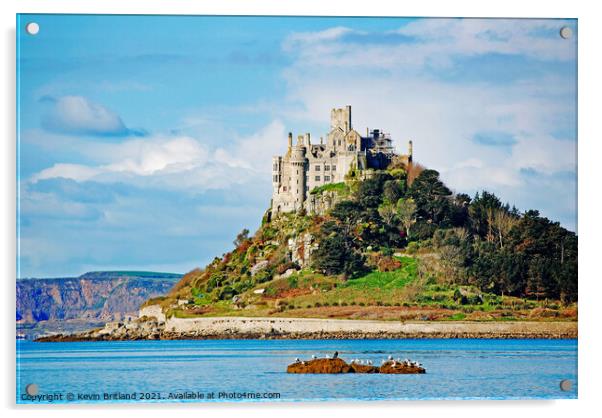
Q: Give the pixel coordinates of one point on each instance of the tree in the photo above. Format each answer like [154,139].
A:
[413,171]
[406,212]
[388,212]
[241,237]
[347,211]
[393,190]
[370,191]
[430,195]
[337,252]
[481,210]
[503,222]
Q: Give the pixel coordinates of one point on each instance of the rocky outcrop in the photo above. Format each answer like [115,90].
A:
[338,365]
[319,204]
[320,365]
[393,367]
[301,247]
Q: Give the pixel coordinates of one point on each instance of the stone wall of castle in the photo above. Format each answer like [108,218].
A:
[306,166]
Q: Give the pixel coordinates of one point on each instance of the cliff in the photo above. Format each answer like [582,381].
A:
[91,299]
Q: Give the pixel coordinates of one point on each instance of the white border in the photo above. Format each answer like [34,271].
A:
[590,231]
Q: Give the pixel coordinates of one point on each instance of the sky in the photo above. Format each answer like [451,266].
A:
[145,142]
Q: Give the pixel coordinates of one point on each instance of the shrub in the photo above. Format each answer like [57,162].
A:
[387,251]
[412,247]
[388,264]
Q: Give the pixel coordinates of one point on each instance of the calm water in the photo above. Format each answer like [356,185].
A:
[465,369]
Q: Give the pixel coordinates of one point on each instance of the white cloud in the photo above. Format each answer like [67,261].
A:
[176,162]
[76,115]
[537,38]
[302,38]
[432,43]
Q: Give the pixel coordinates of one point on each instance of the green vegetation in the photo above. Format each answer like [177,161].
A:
[395,279]
[339,188]
[399,244]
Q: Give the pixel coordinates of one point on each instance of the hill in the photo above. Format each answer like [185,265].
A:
[398,244]
[92,299]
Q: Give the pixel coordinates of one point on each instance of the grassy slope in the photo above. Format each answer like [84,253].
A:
[399,294]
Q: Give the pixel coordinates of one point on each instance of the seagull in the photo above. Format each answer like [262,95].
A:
[390,357]
[313,356]
[303,363]
[370,362]
[297,360]
[383,362]
[327,356]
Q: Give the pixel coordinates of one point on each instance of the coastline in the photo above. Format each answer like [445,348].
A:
[311,328]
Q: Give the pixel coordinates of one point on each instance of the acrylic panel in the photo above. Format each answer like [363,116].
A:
[267,209]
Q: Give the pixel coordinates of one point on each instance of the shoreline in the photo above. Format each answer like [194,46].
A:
[212,328]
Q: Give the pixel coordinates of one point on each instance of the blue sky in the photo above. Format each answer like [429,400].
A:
[145,141]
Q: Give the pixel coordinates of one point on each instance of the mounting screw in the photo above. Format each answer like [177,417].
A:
[32,389]
[32,28]
[566,32]
[565,385]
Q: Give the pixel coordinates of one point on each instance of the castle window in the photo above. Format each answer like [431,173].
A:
[317,168]
[334,168]
[326,178]
[284,189]
[327,168]
[317,178]
[276,179]
[339,142]
[275,166]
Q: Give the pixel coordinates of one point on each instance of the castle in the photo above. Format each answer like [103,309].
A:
[306,166]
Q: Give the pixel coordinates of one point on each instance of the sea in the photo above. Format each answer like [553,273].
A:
[255,371]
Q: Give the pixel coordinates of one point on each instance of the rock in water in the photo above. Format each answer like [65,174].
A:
[337,365]
[391,367]
[363,368]
[321,365]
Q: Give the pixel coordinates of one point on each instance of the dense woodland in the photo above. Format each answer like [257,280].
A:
[480,240]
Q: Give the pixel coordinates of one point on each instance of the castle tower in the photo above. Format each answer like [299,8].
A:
[410,150]
[298,162]
[341,118]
